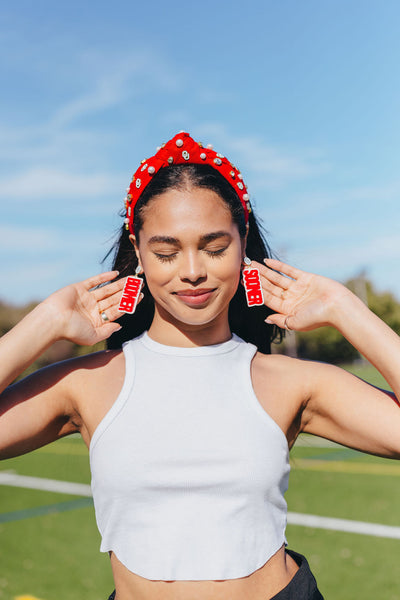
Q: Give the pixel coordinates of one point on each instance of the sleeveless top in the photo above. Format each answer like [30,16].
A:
[188,470]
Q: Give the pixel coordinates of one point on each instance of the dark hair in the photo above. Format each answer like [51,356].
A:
[247,323]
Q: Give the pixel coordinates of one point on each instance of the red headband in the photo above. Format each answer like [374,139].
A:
[182,149]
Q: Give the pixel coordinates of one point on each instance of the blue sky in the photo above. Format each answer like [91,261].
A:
[303,96]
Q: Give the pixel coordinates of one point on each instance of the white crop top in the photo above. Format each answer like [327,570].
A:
[188,470]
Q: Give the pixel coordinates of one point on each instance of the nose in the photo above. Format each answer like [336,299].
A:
[192,267]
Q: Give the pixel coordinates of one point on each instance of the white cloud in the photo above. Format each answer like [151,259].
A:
[108,87]
[270,165]
[93,83]
[115,78]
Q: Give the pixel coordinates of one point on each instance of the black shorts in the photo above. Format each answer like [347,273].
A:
[301,587]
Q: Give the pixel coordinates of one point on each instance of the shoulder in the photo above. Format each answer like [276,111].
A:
[47,404]
[283,386]
[93,382]
[298,379]
[279,366]
[75,376]
[92,369]
[66,374]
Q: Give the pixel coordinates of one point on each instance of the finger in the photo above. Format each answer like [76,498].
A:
[141,296]
[279,320]
[278,265]
[108,290]
[272,301]
[273,289]
[110,307]
[281,292]
[106,330]
[109,302]
[279,280]
[109,314]
[114,299]
[92,282]
[268,274]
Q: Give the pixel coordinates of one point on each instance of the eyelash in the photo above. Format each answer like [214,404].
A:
[216,253]
[167,258]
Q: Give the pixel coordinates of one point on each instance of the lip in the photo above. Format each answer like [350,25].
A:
[195,297]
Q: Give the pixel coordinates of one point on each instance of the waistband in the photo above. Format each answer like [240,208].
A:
[302,586]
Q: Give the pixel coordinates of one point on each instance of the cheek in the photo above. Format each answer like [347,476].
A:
[233,265]
[230,274]
[158,275]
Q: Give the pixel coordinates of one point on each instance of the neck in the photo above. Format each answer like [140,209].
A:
[166,330]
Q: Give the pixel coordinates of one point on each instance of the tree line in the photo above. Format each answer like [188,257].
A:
[10,315]
[325,344]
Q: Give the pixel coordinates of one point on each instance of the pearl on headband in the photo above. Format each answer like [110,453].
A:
[182,149]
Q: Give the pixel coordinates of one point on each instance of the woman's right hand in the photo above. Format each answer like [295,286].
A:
[77,309]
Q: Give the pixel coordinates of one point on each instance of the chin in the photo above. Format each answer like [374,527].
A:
[195,320]
[194,317]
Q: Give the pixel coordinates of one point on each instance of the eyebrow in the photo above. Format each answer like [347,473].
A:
[163,239]
[208,237]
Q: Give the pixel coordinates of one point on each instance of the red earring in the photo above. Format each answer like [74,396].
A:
[252,284]
[131,292]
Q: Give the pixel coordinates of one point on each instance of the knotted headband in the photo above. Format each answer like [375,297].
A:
[182,149]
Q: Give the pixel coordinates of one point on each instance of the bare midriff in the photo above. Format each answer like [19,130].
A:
[263,584]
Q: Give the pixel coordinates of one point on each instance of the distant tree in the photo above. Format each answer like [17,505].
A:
[386,306]
[10,315]
[325,344]
[328,345]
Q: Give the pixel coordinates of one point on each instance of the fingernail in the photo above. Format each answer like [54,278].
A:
[269,321]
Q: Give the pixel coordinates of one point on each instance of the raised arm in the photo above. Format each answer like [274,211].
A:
[38,409]
[340,406]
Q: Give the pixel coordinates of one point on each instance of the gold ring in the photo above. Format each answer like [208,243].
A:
[283,294]
[104,317]
[286,326]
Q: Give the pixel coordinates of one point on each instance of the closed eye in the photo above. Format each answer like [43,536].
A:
[165,257]
[216,253]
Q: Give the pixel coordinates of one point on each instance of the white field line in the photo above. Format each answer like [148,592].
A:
[81,489]
[375,529]
[48,485]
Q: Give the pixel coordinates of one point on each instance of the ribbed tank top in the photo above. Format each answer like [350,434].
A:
[188,470]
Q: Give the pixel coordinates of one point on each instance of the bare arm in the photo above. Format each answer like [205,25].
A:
[340,406]
[39,409]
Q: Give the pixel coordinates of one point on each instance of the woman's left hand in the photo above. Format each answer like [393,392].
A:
[340,407]
[301,301]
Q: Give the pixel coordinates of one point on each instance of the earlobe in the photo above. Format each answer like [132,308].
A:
[133,241]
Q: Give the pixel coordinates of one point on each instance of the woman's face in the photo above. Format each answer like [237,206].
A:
[191,253]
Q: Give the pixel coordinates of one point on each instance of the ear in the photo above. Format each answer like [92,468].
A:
[244,241]
[134,243]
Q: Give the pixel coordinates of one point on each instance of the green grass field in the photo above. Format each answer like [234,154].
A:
[49,544]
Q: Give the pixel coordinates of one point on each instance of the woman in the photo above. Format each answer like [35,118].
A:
[189,425]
